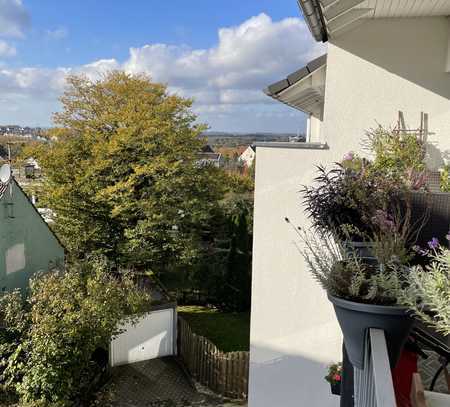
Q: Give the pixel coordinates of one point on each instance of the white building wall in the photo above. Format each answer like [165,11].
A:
[294,334]
[314,129]
[376,70]
[384,66]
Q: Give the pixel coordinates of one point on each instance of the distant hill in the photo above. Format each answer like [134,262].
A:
[235,139]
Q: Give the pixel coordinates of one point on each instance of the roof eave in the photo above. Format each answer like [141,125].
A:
[312,12]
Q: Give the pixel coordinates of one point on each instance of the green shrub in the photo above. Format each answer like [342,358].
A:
[428,294]
[445,179]
[50,337]
[344,274]
[396,154]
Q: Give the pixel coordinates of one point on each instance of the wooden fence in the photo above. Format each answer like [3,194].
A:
[225,373]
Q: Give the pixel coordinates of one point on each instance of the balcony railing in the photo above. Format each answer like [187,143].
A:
[373,385]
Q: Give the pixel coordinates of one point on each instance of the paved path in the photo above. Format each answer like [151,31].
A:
[158,383]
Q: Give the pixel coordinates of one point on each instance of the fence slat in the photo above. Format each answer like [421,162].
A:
[225,373]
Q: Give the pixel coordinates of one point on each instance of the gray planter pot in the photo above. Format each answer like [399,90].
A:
[356,318]
[362,249]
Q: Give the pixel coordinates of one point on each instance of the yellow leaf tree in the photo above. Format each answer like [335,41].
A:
[121,173]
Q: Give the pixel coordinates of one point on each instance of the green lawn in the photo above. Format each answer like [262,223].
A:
[228,331]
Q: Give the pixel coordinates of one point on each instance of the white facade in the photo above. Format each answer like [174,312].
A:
[381,67]
[294,333]
[248,156]
[373,71]
[153,336]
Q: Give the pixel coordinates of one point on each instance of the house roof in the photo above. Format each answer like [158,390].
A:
[37,212]
[207,149]
[328,18]
[303,89]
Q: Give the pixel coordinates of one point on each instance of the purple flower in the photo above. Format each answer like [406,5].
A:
[433,243]
[447,236]
[349,156]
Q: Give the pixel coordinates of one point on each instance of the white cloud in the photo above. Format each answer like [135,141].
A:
[7,50]
[247,57]
[226,80]
[14,18]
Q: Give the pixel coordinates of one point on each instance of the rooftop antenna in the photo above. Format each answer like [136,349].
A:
[5,178]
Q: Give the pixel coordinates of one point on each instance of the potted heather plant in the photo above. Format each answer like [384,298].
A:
[334,377]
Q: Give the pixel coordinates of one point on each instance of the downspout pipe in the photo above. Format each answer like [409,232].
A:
[314,17]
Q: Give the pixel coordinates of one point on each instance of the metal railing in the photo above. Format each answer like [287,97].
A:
[373,386]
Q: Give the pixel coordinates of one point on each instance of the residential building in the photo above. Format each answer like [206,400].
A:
[27,244]
[383,57]
[31,168]
[206,159]
[248,156]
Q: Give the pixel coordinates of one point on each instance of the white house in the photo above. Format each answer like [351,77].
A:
[248,156]
[383,56]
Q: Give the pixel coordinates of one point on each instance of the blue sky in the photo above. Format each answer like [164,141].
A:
[221,52]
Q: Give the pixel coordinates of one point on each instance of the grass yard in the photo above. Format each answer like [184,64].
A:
[228,331]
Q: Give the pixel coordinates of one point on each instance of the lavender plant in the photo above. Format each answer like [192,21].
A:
[342,273]
[428,292]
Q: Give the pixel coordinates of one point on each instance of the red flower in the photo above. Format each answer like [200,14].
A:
[337,377]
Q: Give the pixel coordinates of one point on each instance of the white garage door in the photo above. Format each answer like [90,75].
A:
[152,337]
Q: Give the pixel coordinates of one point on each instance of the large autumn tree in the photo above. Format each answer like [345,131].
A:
[121,173]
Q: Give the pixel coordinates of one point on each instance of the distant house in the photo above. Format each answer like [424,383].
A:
[32,168]
[27,244]
[213,159]
[248,156]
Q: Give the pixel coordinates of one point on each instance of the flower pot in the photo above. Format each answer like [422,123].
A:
[355,319]
[336,388]
[363,250]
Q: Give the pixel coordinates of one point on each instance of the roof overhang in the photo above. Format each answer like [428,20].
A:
[326,19]
[304,89]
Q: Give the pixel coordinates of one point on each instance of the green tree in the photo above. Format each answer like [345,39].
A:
[49,340]
[224,270]
[121,173]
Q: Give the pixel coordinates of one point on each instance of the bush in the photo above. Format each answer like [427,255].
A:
[50,337]
[428,295]
[346,195]
[356,189]
[344,274]
[396,154]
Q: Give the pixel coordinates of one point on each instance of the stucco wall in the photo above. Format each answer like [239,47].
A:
[26,244]
[294,334]
[384,66]
[376,70]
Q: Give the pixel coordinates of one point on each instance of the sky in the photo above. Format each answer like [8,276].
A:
[222,53]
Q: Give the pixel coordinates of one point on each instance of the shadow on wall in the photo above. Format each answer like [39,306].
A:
[412,48]
[280,379]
